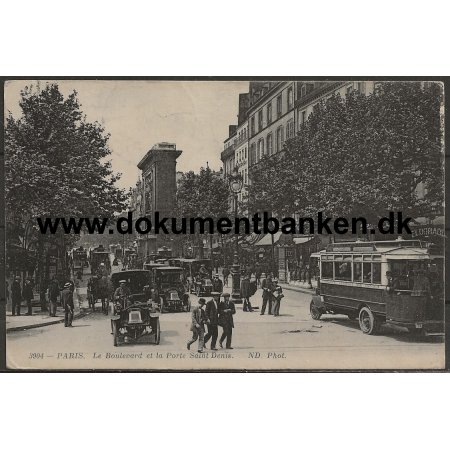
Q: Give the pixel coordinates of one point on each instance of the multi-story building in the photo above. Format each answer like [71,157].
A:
[271,118]
[241,144]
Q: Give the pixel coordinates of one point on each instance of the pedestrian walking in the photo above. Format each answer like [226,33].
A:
[277,296]
[197,325]
[246,294]
[258,273]
[225,274]
[67,301]
[212,319]
[226,312]
[53,294]
[28,296]
[16,296]
[267,296]
[217,285]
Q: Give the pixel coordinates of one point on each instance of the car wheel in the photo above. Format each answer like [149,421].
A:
[316,314]
[157,332]
[368,322]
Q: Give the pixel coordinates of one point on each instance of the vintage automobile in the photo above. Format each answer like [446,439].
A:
[136,316]
[167,282]
[191,268]
[394,282]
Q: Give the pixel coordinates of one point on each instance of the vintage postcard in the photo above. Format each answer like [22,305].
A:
[224,225]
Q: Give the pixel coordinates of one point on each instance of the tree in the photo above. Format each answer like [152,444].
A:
[55,164]
[203,195]
[359,156]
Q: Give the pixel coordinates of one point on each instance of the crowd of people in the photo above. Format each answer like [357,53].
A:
[219,310]
[54,293]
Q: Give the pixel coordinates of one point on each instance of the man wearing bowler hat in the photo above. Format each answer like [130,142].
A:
[226,311]
[212,319]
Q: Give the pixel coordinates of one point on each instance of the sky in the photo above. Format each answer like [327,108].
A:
[192,114]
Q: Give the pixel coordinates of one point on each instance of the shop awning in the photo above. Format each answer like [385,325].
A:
[267,239]
[302,240]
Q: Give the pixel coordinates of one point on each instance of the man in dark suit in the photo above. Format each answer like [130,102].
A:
[212,319]
[27,295]
[197,325]
[267,287]
[226,312]
[16,296]
[67,302]
[217,285]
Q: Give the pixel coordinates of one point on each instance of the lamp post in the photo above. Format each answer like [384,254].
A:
[235,183]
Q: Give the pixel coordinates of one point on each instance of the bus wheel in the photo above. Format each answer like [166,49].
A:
[316,314]
[368,323]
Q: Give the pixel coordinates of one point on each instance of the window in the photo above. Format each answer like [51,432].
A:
[260,120]
[290,98]
[349,89]
[245,152]
[252,125]
[269,144]
[361,87]
[303,117]
[303,90]
[261,148]
[290,129]
[279,106]
[343,270]
[327,270]
[253,153]
[279,143]
[376,272]
[269,113]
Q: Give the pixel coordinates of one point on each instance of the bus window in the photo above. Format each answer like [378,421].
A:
[327,270]
[367,272]
[343,270]
[357,272]
[376,273]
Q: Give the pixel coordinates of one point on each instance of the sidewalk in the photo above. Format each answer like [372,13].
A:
[40,318]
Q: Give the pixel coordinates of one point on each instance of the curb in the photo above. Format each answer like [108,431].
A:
[44,324]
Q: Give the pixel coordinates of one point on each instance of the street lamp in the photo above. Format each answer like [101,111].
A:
[235,183]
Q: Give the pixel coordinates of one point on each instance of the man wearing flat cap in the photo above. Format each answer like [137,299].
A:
[122,293]
[67,302]
[197,325]
[226,312]
[212,319]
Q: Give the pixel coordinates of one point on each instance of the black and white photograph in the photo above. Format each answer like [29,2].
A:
[224,224]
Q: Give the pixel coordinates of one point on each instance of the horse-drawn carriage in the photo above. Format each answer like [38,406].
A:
[99,289]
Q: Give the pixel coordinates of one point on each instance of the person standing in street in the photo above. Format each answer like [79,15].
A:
[217,285]
[16,296]
[27,295]
[277,296]
[245,294]
[226,312]
[225,274]
[212,319]
[67,301]
[267,287]
[53,294]
[197,325]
